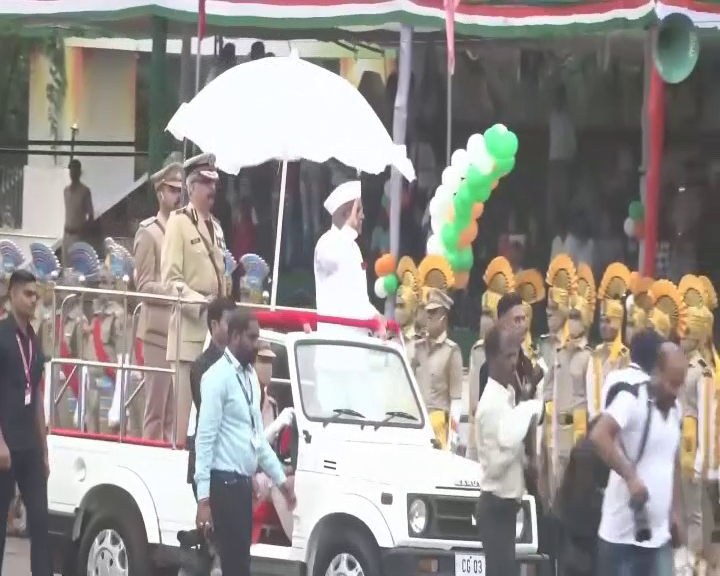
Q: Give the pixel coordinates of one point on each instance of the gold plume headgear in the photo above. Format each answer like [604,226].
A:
[562,281]
[499,280]
[409,290]
[641,301]
[711,297]
[669,313]
[530,287]
[585,297]
[699,317]
[613,287]
[692,290]
[434,271]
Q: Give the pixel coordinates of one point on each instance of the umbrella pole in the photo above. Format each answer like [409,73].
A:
[399,131]
[278,237]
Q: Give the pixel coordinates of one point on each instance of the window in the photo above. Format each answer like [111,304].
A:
[356,384]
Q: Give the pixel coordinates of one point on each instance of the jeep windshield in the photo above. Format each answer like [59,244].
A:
[356,383]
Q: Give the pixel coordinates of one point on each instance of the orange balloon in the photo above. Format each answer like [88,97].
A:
[451,213]
[461,280]
[468,235]
[385,265]
[495,184]
[477,210]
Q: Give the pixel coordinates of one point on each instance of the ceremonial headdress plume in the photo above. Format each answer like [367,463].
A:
[699,318]
[256,271]
[230,266]
[408,292]
[613,287]
[500,280]
[530,287]
[84,261]
[434,272]
[641,300]
[44,261]
[12,256]
[586,295]
[669,313]
[711,297]
[562,281]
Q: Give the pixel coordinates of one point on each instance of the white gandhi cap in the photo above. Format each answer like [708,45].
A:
[343,194]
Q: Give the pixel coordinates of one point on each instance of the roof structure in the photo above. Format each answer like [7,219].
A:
[337,18]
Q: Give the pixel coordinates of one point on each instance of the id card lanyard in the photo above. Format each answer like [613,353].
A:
[26,367]
[248,399]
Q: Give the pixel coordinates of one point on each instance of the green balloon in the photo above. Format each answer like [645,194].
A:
[465,259]
[463,204]
[450,236]
[390,283]
[510,145]
[636,210]
[453,258]
[474,178]
[482,194]
[504,165]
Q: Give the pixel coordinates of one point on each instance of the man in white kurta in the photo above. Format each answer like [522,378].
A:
[341,291]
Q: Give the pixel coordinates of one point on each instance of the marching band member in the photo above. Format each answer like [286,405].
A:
[439,369]
[699,403]
[252,282]
[569,362]
[152,329]
[407,299]
[611,354]
[192,262]
[638,305]
[499,280]
[530,287]
[340,279]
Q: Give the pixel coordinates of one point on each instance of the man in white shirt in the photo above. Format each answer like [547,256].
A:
[501,426]
[340,278]
[642,483]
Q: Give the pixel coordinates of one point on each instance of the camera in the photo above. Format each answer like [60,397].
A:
[643,532]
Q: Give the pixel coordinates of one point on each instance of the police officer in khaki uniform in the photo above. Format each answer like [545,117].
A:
[611,354]
[564,383]
[439,370]
[154,319]
[638,305]
[192,262]
[500,280]
[407,299]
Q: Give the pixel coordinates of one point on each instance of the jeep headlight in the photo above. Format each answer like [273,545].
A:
[417,516]
[519,524]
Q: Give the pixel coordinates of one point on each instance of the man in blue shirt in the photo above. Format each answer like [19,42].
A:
[230,446]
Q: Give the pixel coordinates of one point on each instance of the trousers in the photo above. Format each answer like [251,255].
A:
[184,401]
[629,560]
[159,397]
[231,509]
[28,470]
[496,521]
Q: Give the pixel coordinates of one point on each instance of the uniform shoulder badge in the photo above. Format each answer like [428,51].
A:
[147,222]
[479,344]
[452,343]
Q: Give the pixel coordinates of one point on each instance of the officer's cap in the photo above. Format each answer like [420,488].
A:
[343,194]
[438,299]
[201,167]
[265,351]
[171,174]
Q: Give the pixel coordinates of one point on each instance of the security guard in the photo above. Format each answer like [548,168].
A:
[192,264]
[564,383]
[499,280]
[252,282]
[407,299]
[698,452]
[638,305]
[611,354]
[439,369]
[78,209]
[154,318]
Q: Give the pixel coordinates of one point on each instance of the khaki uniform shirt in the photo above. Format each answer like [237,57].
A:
[699,404]
[599,367]
[195,261]
[409,337]
[112,328]
[154,315]
[477,359]
[439,371]
[78,203]
[565,397]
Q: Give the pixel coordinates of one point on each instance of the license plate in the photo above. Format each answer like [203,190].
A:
[469,565]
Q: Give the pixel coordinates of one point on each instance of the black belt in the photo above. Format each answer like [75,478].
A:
[227,476]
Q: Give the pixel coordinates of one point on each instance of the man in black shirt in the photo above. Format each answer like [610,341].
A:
[23,445]
[218,313]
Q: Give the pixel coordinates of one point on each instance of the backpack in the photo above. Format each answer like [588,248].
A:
[579,499]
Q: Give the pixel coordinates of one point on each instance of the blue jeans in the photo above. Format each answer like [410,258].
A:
[629,560]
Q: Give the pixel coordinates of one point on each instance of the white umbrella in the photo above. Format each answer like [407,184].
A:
[287,109]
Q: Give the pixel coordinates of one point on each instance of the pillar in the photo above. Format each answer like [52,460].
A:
[157,114]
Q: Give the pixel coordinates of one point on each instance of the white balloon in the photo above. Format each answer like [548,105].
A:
[437,221]
[476,147]
[380,288]
[460,160]
[444,194]
[629,227]
[434,245]
[435,206]
[484,163]
[451,178]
